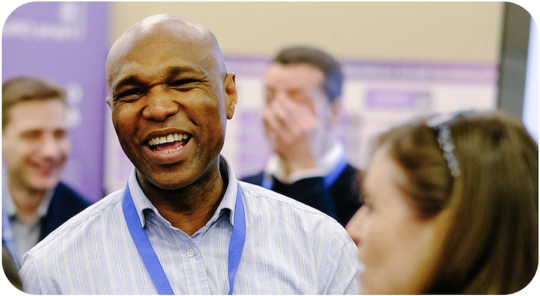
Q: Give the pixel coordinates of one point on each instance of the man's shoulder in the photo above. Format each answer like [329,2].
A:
[83,219]
[254,179]
[352,172]
[260,196]
[66,192]
[348,184]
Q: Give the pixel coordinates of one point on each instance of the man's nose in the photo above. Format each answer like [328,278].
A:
[50,146]
[160,105]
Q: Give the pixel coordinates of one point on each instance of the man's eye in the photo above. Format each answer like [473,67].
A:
[182,82]
[60,134]
[131,92]
[31,135]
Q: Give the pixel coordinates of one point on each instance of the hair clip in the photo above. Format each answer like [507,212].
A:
[441,123]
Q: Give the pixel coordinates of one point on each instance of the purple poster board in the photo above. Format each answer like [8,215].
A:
[66,43]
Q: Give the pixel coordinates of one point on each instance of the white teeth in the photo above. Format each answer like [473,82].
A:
[172,150]
[168,139]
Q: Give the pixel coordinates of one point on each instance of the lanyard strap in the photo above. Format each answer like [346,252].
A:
[238,238]
[329,179]
[143,245]
[149,257]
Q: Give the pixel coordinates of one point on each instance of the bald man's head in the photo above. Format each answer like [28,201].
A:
[167,80]
[193,39]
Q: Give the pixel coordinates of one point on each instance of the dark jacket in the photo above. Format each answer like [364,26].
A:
[65,203]
[340,200]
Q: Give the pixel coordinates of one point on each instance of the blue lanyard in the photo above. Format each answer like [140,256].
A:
[149,258]
[329,179]
[8,236]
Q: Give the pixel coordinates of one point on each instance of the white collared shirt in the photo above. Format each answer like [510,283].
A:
[290,248]
[325,164]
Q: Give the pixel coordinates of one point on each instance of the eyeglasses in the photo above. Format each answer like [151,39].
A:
[440,123]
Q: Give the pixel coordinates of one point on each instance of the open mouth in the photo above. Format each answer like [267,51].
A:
[170,143]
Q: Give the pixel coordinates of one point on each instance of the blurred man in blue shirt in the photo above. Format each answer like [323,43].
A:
[35,148]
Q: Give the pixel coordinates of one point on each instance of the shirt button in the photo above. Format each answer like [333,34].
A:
[190,253]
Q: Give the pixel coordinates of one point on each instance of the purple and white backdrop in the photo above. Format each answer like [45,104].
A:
[66,43]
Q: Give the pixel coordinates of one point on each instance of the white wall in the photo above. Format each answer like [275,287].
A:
[402,31]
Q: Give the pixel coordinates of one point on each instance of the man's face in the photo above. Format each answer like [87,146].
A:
[35,144]
[302,84]
[168,109]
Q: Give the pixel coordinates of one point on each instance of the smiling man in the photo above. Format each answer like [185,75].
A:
[184,224]
[35,147]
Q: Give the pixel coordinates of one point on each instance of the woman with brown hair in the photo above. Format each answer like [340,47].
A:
[450,207]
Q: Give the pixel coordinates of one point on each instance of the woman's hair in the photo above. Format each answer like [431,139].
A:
[491,246]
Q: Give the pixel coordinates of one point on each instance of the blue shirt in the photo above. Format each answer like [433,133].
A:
[290,248]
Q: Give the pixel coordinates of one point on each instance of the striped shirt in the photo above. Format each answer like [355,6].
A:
[290,248]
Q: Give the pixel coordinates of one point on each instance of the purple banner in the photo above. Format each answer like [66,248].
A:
[66,43]
[390,99]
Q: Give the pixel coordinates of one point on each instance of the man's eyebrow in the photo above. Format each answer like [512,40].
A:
[129,80]
[175,70]
[31,130]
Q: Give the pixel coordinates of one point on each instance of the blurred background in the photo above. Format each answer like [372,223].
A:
[401,60]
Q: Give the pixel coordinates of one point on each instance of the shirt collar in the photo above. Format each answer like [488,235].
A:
[228,202]
[325,164]
[12,208]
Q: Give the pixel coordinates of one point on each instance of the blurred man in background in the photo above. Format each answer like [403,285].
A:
[34,150]
[302,90]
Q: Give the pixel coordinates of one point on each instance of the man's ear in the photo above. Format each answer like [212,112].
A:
[109,102]
[335,112]
[230,97]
